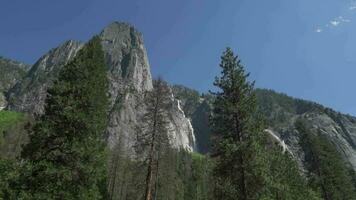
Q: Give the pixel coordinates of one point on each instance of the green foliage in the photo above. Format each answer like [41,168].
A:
[127,175]
[182,176]
[190,98]
[247,165]
[278,108]
[185,176]
[200,123]
[327,172]
[12,133]
[153,133]
[65,158]
[9,171]
[284,180]
[237,171]
[9,118]
[198,108]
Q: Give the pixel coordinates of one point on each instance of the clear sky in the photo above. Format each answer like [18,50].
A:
[305,48]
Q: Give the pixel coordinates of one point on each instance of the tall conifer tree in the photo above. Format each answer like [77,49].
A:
[154,135]
[65,158]
[236,147]
[327,172]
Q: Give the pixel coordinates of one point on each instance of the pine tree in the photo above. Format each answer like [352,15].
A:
[237,171]
[154,136]
[65,158]
[284,179]
[328,173]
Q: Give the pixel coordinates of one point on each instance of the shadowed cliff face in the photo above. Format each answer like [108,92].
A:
[11,73]
[340,130]
[281,113]
[29,94]
[129,77]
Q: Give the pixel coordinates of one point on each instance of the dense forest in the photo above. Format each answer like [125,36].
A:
[62,154]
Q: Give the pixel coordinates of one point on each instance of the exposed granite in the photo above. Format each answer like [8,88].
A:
[11,73]
[29,94]
[129,79]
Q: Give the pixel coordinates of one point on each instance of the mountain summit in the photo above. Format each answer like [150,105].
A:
[129,75]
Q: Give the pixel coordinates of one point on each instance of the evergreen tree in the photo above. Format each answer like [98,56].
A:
[237,172]
[284,180]
[328,173]
[65,158]
[154,136]
[9,171]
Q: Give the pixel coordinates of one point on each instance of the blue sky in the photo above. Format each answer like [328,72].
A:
[304,48]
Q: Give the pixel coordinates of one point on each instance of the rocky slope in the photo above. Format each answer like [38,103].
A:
[129,79]
[11,73]
[29,94]
[280,112]
[197,107]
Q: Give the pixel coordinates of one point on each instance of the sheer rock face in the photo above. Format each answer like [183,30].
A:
[341,132]
[181,132]
[281,113]
[126,58]
[29,94]
[125,118]
[129,79]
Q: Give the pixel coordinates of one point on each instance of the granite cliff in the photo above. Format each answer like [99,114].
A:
[11,73]
[280,113]
[129,75]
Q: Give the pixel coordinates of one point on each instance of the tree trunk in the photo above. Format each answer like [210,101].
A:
[149,177]
[149,187]
[157,175]
[243,179]
[241,161]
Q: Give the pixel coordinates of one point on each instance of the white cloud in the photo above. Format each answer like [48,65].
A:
[334,22]
[342,19]
[337,21]
[319,30]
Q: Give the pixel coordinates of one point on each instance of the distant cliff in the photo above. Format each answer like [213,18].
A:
[129,77]
[280,112]
[11,72]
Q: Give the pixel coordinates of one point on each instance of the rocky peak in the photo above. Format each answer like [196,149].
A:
[29,94]
[11,73]
[126,57]
[129,79]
